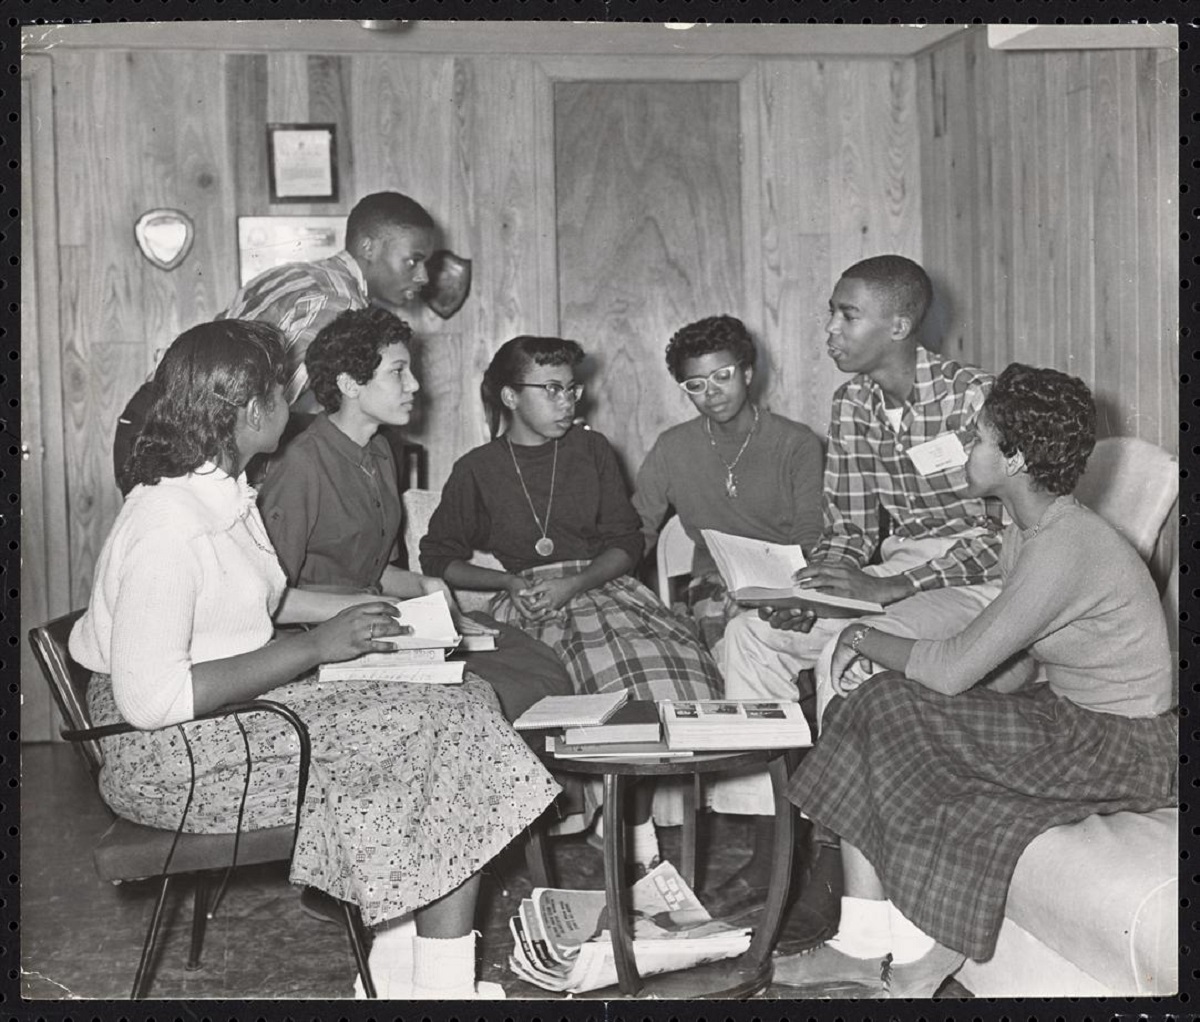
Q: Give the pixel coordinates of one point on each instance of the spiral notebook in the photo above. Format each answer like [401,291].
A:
[571,711]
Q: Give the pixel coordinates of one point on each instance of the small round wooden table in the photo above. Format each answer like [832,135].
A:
[735,977]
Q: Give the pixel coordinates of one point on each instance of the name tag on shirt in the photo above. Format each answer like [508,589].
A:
[938,455]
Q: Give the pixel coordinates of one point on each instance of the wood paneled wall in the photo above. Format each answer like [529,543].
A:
[1050,211]
[651,202]
[828,153]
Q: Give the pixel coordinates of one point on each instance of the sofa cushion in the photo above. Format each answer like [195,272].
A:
[1103,893]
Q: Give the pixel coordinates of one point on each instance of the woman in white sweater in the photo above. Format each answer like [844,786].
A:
[398,816]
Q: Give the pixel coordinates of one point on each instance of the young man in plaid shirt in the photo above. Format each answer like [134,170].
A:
[937,569]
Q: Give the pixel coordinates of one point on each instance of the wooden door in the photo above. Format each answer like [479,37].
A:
[45,572]
[649,233]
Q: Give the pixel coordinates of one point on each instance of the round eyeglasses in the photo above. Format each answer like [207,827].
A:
[721,377]
[571,391]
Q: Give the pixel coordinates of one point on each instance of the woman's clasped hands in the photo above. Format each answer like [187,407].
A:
[541,600]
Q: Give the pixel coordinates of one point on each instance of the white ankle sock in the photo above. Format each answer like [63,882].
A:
[909,942]
[444,969]
[645,843]
[864,930]
[391,959]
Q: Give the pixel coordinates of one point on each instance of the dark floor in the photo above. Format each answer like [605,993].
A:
[81,937]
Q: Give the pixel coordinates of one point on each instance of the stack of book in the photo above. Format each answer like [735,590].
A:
[731,724]
[419,657]
[634,730]
[561,939]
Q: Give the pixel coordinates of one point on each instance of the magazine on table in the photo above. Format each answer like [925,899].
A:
[562,941]
[758,573]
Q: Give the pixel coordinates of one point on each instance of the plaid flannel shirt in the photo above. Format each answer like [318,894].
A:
[301,299]
[867,467]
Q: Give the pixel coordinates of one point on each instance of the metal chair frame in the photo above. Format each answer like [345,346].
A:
[68,682]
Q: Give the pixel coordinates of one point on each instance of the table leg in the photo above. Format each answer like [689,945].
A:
[537,855]
[691,799]
[616,893]
[781,864]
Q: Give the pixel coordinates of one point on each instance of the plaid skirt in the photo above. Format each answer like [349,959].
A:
[412,788]
[942,794]
[618,635]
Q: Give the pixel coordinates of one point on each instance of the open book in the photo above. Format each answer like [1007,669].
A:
[758,573]
[417,658]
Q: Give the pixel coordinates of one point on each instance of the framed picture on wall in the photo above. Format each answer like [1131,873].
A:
[302,162]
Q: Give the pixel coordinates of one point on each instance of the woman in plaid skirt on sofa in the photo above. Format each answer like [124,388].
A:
[938,772]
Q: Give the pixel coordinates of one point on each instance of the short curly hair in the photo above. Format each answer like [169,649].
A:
[353,343]
[716,333]
[904,285]
[1049,417]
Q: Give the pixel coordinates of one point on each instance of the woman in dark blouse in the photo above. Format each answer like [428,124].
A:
[547,499]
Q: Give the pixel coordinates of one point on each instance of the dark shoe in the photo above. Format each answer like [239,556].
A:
[316,904]
[814,916]
[922,978]
[804,928]
[831,971]
[736,896]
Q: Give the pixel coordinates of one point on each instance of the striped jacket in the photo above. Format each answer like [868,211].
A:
[300,299]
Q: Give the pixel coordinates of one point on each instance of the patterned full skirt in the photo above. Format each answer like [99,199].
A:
[618,635]
[412,788]
[942,794]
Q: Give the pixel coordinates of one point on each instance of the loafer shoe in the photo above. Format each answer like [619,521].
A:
[803,929]
[922,978]
[827,967]
[735,897]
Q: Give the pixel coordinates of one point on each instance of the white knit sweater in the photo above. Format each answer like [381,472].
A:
[187,575]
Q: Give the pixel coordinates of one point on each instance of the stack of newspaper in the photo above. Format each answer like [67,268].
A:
[562,942]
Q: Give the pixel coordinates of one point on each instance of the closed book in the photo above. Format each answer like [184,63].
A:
[636,721]
[571,711]
[477,644]
[447,672]
[617,750]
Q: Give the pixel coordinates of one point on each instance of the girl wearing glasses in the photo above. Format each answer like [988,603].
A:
[549,502]
[735,467]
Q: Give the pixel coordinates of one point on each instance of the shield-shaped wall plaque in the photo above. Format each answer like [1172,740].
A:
[449,282]
[164,236]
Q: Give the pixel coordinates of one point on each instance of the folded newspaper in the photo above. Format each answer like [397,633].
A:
[562,942]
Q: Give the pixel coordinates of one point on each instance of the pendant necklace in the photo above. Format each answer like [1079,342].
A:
[731,490]
[545,545]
